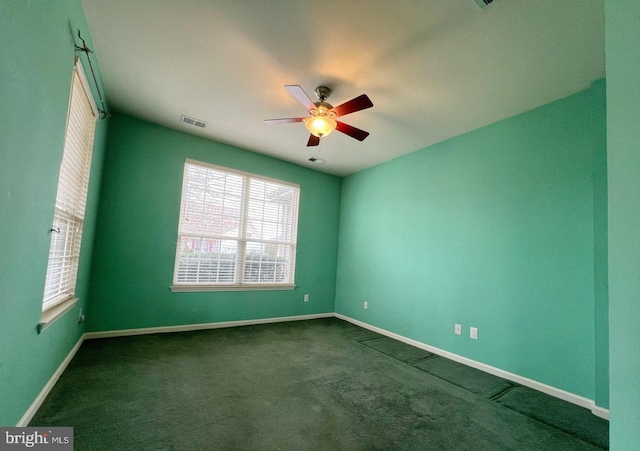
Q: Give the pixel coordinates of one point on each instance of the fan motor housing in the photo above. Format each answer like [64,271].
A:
[323,106]
[323,93]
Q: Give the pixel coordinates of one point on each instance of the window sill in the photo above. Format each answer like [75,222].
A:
[49,316]
[196,288]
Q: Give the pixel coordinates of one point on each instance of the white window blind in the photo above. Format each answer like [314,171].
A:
[71,198]
[236,229]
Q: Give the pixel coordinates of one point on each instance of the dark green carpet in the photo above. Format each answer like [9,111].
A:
[557,413]
[476,381]
[307,385]
[397,349]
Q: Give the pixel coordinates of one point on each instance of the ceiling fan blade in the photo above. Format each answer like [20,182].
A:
[313,141]
[301,96]
[347,129]
[287,120]
[359,103]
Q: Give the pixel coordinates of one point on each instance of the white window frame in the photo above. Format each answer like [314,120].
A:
[60,293]
[242,239]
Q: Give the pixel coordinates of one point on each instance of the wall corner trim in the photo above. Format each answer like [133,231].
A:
[544,388]
[35,405]
[600,412]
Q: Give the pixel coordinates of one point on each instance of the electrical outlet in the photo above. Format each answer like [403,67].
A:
[366,305]
[473,332]
[458,329]
[306,298]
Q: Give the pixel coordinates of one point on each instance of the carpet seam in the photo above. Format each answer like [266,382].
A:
[424,359]
[460,386]
[362,341]
[499,395]
[389,355]
[541,421]
[493,398]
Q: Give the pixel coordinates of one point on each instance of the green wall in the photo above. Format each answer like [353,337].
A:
[492,229]
[623,132]
[504,228]
[138,223]
[36,64]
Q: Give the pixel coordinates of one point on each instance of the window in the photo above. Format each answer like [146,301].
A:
[236,231]
[71,198]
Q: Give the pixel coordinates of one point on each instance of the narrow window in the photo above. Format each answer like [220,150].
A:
[236,230]
[71,198]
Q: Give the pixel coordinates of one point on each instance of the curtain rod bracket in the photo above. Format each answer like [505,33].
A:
[104,114]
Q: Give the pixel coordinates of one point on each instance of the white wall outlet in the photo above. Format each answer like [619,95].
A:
[366,304]
[458,329]
[306,298]
[473,332]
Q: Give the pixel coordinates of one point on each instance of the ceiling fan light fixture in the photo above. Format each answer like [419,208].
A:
[321,119]
[320,125]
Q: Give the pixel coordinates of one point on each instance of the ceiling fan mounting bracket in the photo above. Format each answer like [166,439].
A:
[323,93]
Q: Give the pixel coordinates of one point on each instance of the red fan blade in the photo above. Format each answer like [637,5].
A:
[359,103]
[301,96]
[313,141]
[287,120]
[347,129]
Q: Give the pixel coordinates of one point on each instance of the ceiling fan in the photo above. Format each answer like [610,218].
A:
[322,116]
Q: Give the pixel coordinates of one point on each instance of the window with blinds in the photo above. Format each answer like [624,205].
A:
[235,230]
[71,198]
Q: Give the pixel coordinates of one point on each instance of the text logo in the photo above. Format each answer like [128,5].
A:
[38,438]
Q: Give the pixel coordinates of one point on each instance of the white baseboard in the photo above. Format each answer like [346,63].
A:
[600,412]
[31,411]
[548,389]
[35,405]
[202,326]
[570,397]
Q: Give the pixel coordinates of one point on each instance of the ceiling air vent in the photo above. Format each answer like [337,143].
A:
[193,121]
[482,4]
[315,160]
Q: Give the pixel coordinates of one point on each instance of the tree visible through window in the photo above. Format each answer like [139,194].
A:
[236,229]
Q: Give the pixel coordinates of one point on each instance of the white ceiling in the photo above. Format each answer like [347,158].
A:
[433,69]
